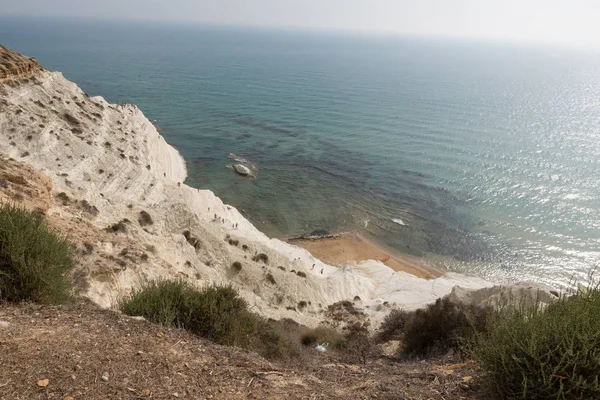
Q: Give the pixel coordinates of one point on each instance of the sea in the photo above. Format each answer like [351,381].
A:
[481,157]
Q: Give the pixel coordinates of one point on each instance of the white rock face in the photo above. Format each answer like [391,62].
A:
[520,295]
[114,158]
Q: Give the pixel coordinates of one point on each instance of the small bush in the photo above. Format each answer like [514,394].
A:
[145,218]
[270,278]
[118,227]
[359,346]
[433,330]
[215,312]
[553,354]
[234,242]
[63,197]
[392,327]
[236,266]
[301,274]
[34,261]
[261,257]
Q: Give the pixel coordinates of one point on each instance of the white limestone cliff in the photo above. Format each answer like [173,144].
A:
[112,160]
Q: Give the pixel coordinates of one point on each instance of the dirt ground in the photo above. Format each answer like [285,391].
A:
[83,352]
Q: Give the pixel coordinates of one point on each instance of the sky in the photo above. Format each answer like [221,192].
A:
[549,21]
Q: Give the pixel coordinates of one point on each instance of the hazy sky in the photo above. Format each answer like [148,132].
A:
[571,21]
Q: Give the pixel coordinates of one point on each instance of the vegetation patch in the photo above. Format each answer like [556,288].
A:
[34,260]
[434,330]
[236,266]
[359,347]
[530,353]
[261,257]
[393,326]
[118,227]
[215,312]
[64,198]
[145,218]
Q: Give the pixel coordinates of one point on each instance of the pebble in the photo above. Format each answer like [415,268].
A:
[105,377]
[4,324]
[43,382]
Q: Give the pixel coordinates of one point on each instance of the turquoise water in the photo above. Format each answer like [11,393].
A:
[489,153]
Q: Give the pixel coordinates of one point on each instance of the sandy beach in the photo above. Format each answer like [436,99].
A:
[351,248]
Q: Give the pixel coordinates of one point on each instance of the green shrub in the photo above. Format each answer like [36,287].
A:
[215,312]
[433,330]
[392,327]
[145,218]
[261,257]
[236,266]
[118,227]
[34,261]
[551,354]
[359,346]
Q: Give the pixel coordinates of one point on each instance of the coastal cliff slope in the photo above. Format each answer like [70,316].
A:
[105,177]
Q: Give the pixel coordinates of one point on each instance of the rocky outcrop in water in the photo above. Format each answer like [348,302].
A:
[242,169]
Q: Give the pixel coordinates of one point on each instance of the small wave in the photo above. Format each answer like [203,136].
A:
[398,221]
[237,158]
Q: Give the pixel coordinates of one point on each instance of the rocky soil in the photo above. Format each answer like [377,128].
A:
[83,352]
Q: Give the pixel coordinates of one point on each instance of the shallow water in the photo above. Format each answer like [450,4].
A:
[489,154]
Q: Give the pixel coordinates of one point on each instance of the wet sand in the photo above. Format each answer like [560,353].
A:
[352,248]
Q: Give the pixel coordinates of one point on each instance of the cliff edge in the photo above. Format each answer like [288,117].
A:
[105,177]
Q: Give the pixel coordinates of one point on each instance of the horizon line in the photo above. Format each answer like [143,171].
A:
[313,30]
